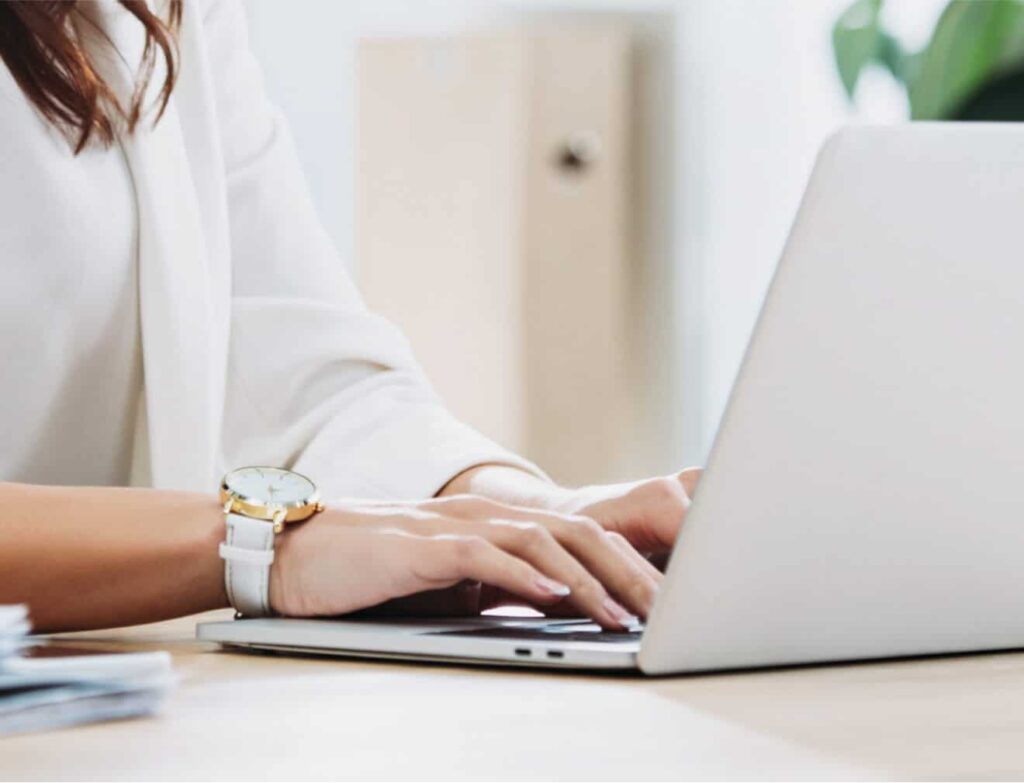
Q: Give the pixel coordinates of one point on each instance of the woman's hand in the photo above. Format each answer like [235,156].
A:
[648,514]
[361,555]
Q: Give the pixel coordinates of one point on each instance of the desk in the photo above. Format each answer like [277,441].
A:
[238,716]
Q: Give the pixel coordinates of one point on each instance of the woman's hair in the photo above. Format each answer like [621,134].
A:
[43,52]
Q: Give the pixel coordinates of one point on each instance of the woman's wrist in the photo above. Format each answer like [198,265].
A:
[284,593]
[200,523]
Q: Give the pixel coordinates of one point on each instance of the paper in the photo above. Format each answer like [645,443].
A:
[45,686]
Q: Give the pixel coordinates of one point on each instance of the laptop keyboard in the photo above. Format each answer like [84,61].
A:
[555,632]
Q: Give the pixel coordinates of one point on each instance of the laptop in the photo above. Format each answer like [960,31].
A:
[864,497]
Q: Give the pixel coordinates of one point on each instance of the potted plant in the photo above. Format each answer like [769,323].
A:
[972,68]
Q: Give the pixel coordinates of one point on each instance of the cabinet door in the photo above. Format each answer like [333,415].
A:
[576,235]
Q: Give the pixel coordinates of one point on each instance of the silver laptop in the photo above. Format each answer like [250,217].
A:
[865,494]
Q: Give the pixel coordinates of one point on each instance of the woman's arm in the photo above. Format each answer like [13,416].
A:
[316,382]
[84,557]
[95,557]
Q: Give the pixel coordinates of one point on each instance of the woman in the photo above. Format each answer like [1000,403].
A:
[171,309]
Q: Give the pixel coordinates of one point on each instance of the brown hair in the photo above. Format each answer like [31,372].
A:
[41,49]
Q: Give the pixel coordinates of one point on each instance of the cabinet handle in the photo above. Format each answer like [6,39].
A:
[578,153]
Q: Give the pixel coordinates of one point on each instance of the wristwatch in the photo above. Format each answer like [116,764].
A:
[258,502]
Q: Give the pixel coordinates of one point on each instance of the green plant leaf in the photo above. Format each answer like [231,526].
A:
[897,61]
[856,41]
[1001,99]
[972,42]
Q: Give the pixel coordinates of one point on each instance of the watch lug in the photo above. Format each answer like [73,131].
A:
[278,520]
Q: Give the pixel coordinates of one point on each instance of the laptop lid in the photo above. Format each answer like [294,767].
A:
[865,494]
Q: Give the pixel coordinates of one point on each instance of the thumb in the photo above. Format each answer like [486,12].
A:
[689,477]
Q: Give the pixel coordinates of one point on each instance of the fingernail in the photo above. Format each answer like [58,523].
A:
[619,614]
[552,587]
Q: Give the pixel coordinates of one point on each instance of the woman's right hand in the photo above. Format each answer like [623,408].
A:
[359,555]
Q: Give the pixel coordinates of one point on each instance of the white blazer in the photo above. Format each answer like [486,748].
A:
[256,346]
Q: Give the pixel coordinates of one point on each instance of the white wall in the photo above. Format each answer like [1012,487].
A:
[755,93]
[758,93]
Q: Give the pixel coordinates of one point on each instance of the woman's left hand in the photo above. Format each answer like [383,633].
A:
[649,513]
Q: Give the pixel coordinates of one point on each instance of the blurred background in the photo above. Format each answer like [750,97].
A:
[574,207]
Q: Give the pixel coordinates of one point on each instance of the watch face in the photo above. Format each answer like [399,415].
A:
[271,486]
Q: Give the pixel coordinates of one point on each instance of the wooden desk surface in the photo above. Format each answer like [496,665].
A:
[237,716]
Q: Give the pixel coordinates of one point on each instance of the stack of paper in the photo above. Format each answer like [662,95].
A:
[45,685]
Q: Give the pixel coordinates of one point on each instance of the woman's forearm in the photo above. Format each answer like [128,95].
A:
[92,557]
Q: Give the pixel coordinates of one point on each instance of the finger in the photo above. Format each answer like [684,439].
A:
[639,560]
[536,544]
[689,479]
[631,585]
[532,542]
[452,558]
[589,543]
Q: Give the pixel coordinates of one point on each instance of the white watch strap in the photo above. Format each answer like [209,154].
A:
[248,552]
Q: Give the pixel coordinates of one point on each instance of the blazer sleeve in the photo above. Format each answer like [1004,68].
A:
[315,380]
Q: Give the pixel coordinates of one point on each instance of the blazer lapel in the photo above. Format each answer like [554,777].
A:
[175,312]
[180,341]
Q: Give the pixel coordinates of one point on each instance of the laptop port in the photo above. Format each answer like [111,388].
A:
[523,652]
[556,654]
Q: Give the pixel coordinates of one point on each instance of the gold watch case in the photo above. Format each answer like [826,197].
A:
[278,513]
